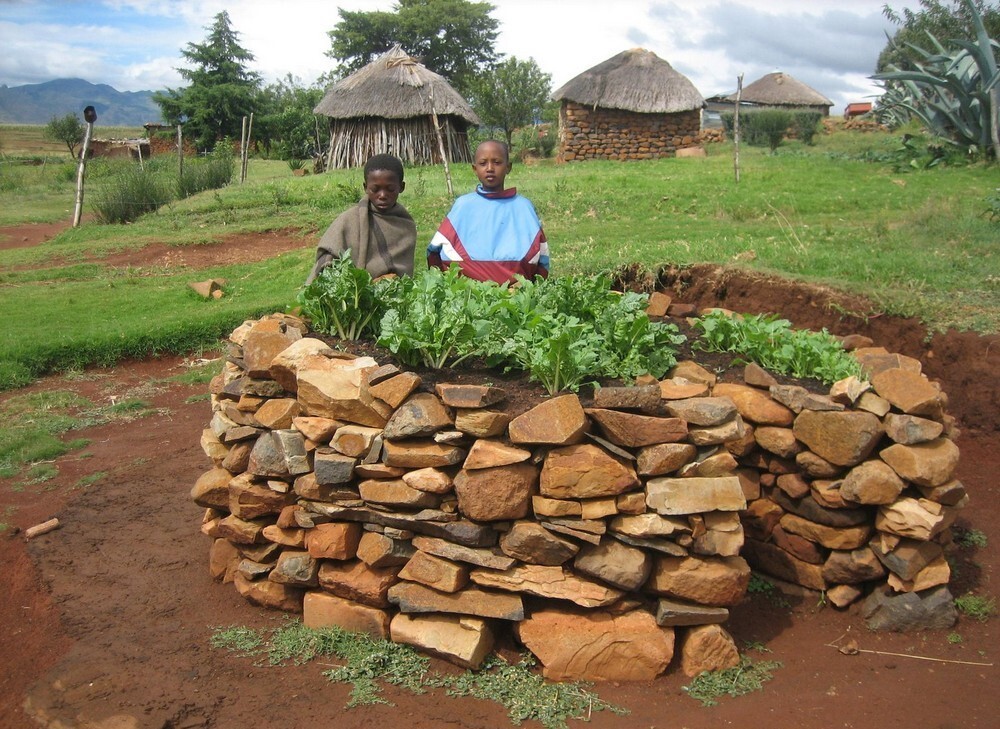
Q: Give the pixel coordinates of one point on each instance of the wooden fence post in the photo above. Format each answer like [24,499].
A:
[736,127]
[90,115]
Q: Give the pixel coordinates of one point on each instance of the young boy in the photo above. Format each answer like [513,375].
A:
[492,233]
[378,231]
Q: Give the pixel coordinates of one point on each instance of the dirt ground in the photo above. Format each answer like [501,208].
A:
[106,620]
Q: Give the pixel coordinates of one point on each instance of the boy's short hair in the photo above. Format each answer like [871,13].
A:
[386,162]
[499,143]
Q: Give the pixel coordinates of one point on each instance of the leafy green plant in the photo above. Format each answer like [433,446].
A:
[437,318]
[954,638]
[570,330]
[771,343]
[976,606]
[341,300]
[748,676]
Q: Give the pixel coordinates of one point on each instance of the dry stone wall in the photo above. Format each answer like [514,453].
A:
[589,133]
[606,538]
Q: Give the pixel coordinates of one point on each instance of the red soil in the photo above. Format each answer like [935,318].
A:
[106,620]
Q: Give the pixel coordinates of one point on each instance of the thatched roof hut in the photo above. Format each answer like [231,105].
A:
[781,90]
[388,106]
[631,106]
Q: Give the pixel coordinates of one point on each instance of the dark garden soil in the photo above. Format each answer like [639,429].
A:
[106,621]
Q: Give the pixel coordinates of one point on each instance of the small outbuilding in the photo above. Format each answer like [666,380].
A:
[857,108]
[779,90]
[392,105]
[631,106]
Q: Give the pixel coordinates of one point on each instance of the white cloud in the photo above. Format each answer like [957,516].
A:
[832,45]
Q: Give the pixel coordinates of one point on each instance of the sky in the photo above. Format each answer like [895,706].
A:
[134,45]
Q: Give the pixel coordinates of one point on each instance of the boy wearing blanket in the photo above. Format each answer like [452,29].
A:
[378,231]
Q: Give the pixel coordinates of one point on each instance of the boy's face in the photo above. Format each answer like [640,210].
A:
[382,188]
[491,166]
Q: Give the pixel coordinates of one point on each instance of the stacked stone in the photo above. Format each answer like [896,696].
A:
[600,536]
[857,488]
[712,136]
[589,133]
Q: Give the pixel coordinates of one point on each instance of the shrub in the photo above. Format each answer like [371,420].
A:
[767,126]
[127,193]
[759,127]
[535,141]
[806,124]
[208,174]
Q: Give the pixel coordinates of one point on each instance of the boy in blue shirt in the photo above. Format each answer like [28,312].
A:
[492,234]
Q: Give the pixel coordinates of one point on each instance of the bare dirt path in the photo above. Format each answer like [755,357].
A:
[106,621]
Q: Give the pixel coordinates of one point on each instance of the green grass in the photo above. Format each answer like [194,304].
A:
[369,663]
[709,686]
[90,479]
[918,243]
[976,606]
[33,429]
[970,538]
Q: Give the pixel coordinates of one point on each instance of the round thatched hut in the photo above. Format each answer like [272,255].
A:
[391,105]
[782,91]
[631,106]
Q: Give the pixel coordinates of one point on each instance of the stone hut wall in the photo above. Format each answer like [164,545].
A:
[589,133]
[604,537]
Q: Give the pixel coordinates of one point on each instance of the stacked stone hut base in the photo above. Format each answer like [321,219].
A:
[607,538]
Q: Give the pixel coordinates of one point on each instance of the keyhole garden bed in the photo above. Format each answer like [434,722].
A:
[417,489]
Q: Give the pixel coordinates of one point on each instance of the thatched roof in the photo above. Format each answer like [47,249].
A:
[393,86]
[634,80]
[780,89]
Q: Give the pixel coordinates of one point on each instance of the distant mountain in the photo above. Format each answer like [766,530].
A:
[38,103]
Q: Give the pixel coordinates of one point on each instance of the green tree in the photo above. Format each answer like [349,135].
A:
[222,90]
[67,129]
[945,20]
[511,95]
[285,124]
[454,38]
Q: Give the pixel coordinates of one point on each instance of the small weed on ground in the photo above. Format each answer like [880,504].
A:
[40,473]
[758,585]
[237,639]
[970,538]
[31,426]
[954,638]
[370,662]
[976,606]
[199,372]
[90,479]
[708,686]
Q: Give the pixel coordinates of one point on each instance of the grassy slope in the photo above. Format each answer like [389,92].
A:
[917,242]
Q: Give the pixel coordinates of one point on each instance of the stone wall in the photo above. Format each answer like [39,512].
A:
[602,536]
[588,133]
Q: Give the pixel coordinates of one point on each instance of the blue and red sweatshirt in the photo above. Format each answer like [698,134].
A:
[492,236]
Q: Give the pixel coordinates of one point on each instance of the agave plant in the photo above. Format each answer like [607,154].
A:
[954,92]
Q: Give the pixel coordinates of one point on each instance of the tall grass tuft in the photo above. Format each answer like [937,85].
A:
[129,192]
[208,174]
